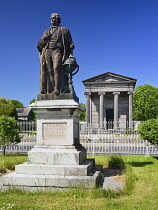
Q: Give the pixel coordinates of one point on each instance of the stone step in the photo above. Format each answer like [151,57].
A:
[65,170]
[57,156]
[40,182]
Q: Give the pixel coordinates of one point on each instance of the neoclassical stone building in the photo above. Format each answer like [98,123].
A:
[109,98]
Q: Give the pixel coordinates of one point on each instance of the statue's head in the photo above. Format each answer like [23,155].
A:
[55,19]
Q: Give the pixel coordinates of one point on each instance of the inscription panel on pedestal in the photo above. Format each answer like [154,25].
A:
[54,131]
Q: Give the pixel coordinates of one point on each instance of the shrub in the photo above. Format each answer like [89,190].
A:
[9,133]
[149,131]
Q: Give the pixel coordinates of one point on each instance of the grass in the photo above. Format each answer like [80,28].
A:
[116,162]
[9,161]
[141,191]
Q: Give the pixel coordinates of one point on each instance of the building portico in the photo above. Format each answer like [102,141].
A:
[109,98]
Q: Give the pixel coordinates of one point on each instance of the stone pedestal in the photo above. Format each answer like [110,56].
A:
[58,160]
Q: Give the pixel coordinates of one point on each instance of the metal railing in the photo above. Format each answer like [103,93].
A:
[96,146]
[96,141]
[119,147]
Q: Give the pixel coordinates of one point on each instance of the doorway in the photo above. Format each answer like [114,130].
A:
[109,118]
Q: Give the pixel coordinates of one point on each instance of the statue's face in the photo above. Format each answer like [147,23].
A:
[55,21]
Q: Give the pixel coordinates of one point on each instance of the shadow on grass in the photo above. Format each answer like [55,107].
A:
[140,164]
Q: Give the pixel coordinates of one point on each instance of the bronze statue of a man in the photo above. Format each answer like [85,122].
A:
[55,47]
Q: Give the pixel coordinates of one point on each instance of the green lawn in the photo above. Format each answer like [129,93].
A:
[144,195]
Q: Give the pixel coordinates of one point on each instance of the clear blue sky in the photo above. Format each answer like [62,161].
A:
[119,36]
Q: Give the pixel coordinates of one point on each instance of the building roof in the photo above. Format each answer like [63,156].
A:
[23,112]
[109,77]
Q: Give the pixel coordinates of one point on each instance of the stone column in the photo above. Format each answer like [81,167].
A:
[87,107]
[130,109]
[101,114]
[116,109]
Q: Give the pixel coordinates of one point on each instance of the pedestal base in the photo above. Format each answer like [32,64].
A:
[61,96]
[58,161]
[53,169]
[57,155]
[30,182]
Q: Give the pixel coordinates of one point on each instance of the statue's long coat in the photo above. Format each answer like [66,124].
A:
[66,46]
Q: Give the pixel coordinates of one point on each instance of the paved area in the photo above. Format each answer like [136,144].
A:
[111,184]
[113,179]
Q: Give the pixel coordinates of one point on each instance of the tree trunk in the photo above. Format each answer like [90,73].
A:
[4,151]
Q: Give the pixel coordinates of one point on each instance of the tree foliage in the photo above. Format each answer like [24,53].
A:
[7,108]
[9,132]
[32,101]
[149,131]
[17,104]
[83,114]
[145,102]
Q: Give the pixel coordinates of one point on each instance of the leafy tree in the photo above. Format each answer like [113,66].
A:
[17,104]
[83,114]
[149,131]
[7,108]
[9,133]
[2,99]
[145,102]
[32,101]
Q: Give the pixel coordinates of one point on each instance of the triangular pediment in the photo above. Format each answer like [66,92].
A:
[109,78]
